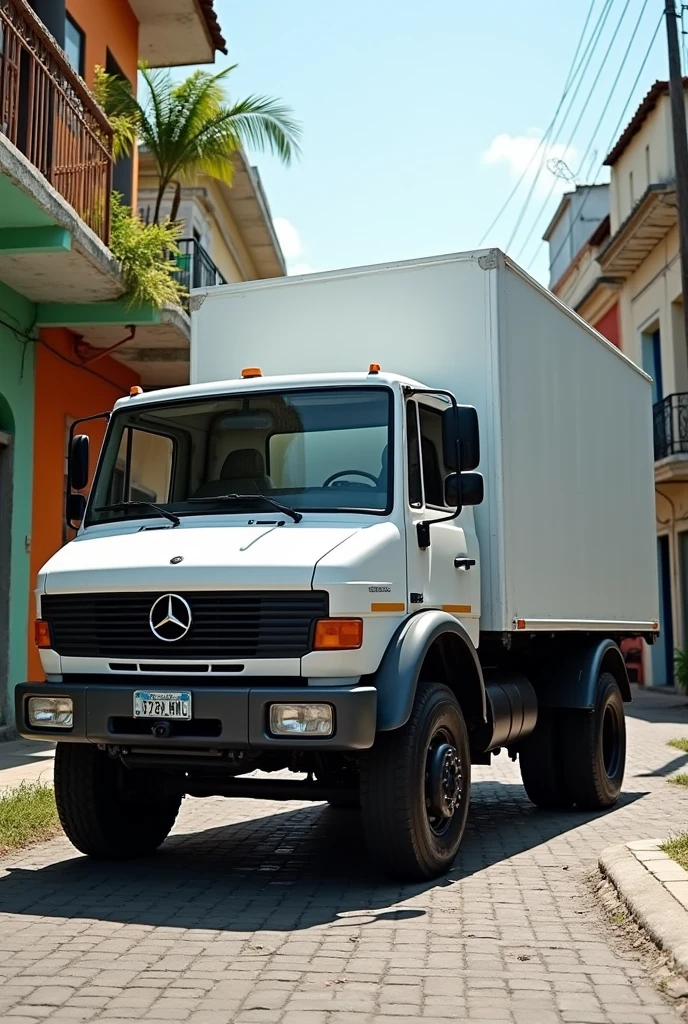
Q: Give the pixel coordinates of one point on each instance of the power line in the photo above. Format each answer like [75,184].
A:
[595,38]
[567,87]
[597,126]
[613,139]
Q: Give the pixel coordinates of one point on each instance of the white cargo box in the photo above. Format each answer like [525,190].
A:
[567,528]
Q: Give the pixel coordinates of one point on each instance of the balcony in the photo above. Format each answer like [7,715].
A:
[670,437]
[48,114]
[195,267]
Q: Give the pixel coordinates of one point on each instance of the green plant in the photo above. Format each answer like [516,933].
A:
[677,848]
[679,745]
[27,815]
[145,252]
[679,780]
[681,670]
[190,127]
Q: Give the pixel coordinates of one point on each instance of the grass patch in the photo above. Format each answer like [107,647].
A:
[679,780]
[27,815]
[677,848]
[679,745]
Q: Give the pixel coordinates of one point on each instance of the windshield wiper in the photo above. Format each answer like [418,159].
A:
[121,505]
[292,513]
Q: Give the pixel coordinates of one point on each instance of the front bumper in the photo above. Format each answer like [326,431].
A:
[229,718]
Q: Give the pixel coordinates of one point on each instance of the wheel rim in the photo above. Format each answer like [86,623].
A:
[611,740]
[444,782]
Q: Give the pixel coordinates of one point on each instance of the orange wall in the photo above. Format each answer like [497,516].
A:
[62,392]
[109,25]
[608,325]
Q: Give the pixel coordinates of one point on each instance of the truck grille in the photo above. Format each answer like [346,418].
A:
[246,624]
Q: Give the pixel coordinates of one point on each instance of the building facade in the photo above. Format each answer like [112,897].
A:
[62,297]
[625,280]
[227,230]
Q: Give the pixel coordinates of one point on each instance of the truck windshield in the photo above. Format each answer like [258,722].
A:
[320,449]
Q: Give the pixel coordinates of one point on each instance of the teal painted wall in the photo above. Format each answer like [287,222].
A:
[16,417]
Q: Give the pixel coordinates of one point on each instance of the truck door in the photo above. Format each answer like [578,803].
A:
[440,576]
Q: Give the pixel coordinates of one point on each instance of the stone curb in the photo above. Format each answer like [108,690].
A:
[663,916]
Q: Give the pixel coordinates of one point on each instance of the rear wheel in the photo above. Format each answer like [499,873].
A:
[594,743]
[100,810]
[415,788]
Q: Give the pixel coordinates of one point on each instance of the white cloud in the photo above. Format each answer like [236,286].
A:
[516,151]
[289,238]
[301,268]
[292,247]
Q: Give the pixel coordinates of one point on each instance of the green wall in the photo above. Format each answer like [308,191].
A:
[16,417]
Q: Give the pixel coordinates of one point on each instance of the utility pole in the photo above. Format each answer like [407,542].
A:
[680,135]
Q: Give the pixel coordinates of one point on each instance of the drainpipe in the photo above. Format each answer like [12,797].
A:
[106,351]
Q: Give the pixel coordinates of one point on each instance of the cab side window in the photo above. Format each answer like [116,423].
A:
[434,469]
[413,456]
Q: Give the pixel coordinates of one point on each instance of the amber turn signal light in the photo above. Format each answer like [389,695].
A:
[42,633]
[338,634]
[251,371]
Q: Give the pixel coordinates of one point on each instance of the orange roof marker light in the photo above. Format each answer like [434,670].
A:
[251,371]
[374,368]
[135,390]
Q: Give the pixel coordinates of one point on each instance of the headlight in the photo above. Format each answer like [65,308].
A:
[301,719]
[54,712]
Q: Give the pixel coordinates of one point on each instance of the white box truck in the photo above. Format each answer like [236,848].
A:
[401,518]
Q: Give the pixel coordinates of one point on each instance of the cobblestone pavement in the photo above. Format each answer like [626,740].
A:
[260,912]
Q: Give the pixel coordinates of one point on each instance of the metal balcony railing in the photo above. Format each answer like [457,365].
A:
[670,426]
[47,112]
[195,267]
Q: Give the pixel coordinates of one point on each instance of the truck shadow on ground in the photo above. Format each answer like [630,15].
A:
[279,872]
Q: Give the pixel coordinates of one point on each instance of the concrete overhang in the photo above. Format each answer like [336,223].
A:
[672,470]
[47,252]
[159,350]
[654,215]
[177,32]
[249,208]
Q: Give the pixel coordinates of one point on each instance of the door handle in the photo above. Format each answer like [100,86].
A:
[463,563]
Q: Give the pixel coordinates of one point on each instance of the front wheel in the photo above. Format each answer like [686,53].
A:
[100,809]
[415,788]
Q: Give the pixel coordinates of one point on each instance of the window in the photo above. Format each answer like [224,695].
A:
[124,167]
[630,188]
[74,45]
[652,362]
[647,166]
[434,469]
[413,456]
[143,468]
[313,449]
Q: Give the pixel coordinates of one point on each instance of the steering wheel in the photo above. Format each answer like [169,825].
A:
[350,472]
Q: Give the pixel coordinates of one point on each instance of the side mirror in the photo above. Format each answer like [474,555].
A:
[78,462]
[461,424]
[76,507]
[472,488]
[464,489]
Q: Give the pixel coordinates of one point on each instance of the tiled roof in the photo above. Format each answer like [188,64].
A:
[652,97]
[213,24]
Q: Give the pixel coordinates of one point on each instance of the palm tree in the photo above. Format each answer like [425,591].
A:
[190,127]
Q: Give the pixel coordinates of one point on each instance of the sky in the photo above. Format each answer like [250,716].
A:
[419,118]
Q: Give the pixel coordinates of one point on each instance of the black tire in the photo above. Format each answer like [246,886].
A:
[99,818]
[594,749]
[351,803]
[401,784]
[540,762]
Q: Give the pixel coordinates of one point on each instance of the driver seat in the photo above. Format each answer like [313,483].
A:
[243,472]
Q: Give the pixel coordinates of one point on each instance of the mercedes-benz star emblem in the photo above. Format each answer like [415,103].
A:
[170,618]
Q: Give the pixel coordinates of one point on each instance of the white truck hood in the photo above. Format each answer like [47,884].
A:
[212,556]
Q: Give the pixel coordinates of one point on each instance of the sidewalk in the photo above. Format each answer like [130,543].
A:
[25,761]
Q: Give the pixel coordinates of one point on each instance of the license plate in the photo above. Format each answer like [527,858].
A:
[156,704]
